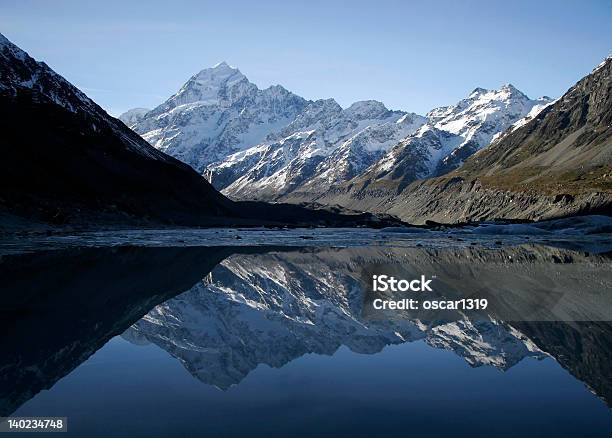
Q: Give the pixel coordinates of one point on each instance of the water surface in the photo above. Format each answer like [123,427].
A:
[276,339]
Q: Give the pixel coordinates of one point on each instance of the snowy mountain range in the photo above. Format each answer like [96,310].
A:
[454,133]
[447,136]
[269,144]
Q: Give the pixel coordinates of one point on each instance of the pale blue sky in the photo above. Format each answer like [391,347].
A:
[411,55]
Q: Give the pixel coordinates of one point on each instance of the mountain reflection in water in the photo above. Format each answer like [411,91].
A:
[224,311]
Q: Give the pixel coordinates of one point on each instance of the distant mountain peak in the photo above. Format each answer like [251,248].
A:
[223,65]
[217,73]
[277,90]
[366,109]
[133,116]
[477,100]
[453,133]
[506,89]
[211,86]
[512,91]
[603,63]
[477,91]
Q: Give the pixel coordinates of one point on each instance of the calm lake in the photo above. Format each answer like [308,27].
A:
[278,336]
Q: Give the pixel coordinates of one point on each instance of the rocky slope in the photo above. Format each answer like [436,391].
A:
[557,163]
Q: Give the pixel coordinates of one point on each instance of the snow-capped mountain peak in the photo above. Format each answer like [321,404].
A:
[222,65]
[133,116]
[483,113]
[218,73]
[477,91]
[220,84]
[366,109]
[510,88]
[218,112]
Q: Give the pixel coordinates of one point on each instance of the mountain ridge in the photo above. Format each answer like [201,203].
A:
[449,136]
[558,163]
